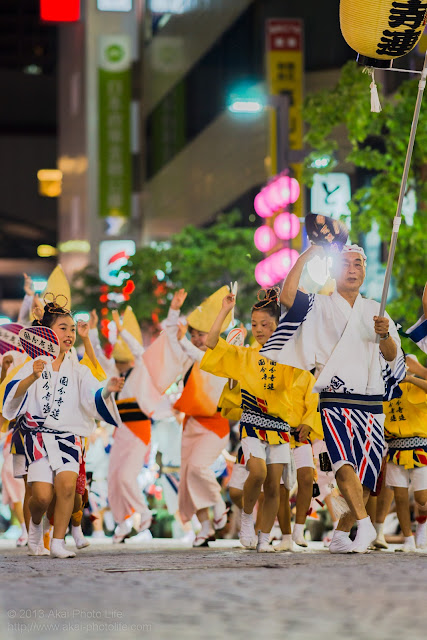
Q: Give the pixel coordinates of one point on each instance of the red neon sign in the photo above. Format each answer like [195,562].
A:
[60,10]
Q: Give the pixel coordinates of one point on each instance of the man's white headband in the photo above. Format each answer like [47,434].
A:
[354,248]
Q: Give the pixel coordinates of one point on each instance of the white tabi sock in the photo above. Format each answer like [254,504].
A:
[364,522]
[247,523]
[341,534]
[366,534]
[408,545]
[247,535]
[24,528]
[379,528]
[298,531]
[35,538]
[78,537]
[340,542]
[59,550]
[263,538]
[421,535]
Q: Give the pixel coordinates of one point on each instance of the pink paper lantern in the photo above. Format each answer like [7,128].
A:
[263,275]
[261,206]
[284,260]
[264,238]
[289,190]
[286,226]
[273,195]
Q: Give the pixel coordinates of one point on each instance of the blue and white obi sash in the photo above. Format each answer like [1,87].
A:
[39,442]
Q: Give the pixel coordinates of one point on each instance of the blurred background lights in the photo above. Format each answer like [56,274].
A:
[321,163]
[46,251]
[261,206]
[81,316]
[278,194]
[276,267]
[264,238]
[286,226]
[50,182]
[39,284]
[160,275]
[245,106]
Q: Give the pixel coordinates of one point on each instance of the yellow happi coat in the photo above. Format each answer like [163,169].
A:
[266,390]
[405,427]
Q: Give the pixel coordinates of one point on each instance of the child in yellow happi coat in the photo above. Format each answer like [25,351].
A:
[406,436]
[264,424]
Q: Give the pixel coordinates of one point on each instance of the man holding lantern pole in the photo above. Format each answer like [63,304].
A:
[337,336]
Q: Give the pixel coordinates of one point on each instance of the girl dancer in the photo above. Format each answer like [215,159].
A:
[266,405]
[136,403]
[205,432]
[406,436]
[55,404]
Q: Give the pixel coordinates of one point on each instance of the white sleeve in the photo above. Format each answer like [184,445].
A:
[172,318]
[192,352]
[25,310]
[133,344]
[12,407]
[171,330]
[93,401]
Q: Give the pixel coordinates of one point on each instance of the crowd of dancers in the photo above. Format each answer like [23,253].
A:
[325,402]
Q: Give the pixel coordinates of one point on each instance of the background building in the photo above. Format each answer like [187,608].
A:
[28,129]
[164,151]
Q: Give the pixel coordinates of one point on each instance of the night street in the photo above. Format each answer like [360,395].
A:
[159,591]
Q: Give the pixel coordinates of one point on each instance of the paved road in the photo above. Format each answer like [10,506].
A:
[160,592]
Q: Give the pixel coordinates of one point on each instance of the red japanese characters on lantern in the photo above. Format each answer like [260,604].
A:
[383,30]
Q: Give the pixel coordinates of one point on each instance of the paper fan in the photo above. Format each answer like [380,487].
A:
[39,342]
[9,338]
[236,337]
[326,232]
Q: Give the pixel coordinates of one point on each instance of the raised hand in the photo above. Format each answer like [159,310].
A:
[83,329]
[314,250]
[38,367]
[93,319]
[28,285]
[37,307]
[229,302]
[116,320]
[178,299]
[5,364]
